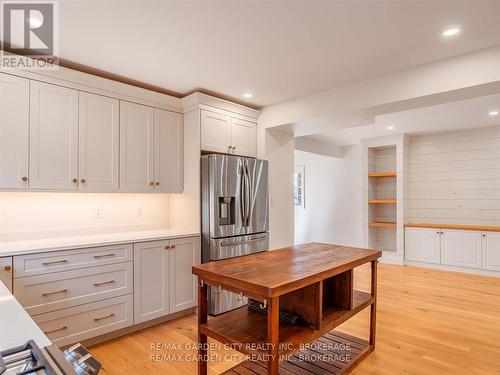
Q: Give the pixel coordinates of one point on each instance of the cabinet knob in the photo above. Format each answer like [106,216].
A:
[157,183]
[229,149]
[83,181]
[24,178]
[152,183]
[234,148]
[75,180]
[172,247]
[167,247]
[484,235]
[7,268]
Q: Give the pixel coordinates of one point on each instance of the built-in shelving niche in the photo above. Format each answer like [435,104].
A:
[382,193]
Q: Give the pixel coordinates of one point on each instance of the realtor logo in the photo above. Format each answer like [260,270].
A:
[30,32]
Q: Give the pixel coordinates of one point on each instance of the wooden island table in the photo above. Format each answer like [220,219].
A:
[313,281]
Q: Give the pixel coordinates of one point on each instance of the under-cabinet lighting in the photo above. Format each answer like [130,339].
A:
[247,95]
[451,32]
[495,112]
[390,127]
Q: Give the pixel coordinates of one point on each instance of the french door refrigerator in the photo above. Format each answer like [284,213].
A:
[235,216]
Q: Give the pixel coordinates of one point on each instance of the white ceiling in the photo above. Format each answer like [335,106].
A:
[465,114]
[275,49]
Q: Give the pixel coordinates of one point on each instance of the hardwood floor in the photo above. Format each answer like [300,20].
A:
[428,322]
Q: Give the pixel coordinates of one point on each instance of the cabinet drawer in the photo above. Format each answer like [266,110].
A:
[45,293]
[37,264]
[79,323]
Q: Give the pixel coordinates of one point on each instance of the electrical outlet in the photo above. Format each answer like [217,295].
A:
[140,212]
[98,213]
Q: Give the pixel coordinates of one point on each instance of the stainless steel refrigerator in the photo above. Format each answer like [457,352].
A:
[235,215]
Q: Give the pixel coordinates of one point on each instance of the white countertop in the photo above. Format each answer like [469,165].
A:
[16,326]
[35,243]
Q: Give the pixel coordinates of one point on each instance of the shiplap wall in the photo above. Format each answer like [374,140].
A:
[455,177]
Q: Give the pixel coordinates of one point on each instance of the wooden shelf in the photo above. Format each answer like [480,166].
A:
[246,329]
[382,174]
[335,353]
[485,228]
[382,201]
[382,224]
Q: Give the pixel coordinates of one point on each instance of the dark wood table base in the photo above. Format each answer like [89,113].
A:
[316,360]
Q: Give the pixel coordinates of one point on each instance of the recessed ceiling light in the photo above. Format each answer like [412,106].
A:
[494,113]
[247,95]
[390,127]
[452,31]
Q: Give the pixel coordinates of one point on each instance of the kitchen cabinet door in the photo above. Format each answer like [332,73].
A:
[184,253]
[14,131]
[491,251]
[215,132]
[6,272]
[136,148]
[151,280]
[422,245]
[168,160]
[53,137]
[98,142]
[244,137]
[461,248]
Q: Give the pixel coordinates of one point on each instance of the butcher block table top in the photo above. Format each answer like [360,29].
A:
[274,273]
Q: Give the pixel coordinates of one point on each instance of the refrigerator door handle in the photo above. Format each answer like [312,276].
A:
[247,196]
[243,196]
[224,244]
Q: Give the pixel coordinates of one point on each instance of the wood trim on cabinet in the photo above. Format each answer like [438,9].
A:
[485,228]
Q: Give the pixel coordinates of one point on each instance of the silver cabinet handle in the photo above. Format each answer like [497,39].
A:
[55,262]
[104,256]
[56,330]
[104,283]
[104,317]
[56,292]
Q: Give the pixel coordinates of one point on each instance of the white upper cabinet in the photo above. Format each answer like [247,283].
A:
[243,137]
[491,251]
[98,142]
[223,133]
[184,253]
[136,147]
[168,155]
[215,132]
[461,248]
[423,245]
[14,128]
[53,137]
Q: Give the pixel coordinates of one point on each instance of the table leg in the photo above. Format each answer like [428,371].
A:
[373,307]
[273,330]
[202,319]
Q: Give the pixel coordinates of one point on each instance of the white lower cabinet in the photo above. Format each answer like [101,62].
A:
[54,291]
[461,248]
[6,272]
[151,278]
[163,280]
[453,247]
[184,253]
[423,245]
[79,323]
[491,251]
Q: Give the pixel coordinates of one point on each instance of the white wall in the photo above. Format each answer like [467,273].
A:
[333,198]
[279,148]
[22,212]
[455,177]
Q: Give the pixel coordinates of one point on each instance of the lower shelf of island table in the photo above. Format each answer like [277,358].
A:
[246,330]
[344,351]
